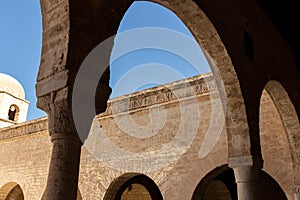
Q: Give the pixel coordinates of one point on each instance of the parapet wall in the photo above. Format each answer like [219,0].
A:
[190,87]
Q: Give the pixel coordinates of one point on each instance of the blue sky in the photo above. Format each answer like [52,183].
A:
[20,45]
[20,49]
[150,67]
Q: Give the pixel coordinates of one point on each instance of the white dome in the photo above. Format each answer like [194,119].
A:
[10,85]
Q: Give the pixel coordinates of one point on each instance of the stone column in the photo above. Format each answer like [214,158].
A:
[246,176]
[64,169]
[62,183]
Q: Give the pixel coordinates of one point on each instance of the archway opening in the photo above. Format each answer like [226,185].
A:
[11,191]
[219,184]
[153,63]
[136,191]
[279,126]
[188,53]
[213,46]
[132,186]
[216,190]
[215,54]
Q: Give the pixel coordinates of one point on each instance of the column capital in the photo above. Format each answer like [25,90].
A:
[245,169]
[243,161]
[60,118]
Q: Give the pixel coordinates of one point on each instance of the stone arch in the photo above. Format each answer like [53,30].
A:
[290,122]
[221,181]
[72,29]
[11,191]
[62,53]
[220,184]
[122,183]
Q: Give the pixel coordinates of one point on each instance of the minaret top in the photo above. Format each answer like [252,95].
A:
[13,105]
[11,86]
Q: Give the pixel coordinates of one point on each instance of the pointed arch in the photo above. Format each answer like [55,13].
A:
[239,142]
[65,44]
[11,191]
[217,184]
[126,182]
[289,120]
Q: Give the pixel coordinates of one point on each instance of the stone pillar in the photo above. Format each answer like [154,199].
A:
[62,183]
[64,169]
[246,176]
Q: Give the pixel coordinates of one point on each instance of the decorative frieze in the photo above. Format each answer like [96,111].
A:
[187,88]
[24,129]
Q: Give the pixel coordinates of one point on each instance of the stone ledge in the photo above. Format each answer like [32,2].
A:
[25,128]
[168,93]
[178,90]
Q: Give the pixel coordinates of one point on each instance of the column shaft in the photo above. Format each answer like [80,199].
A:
[246,191]
[62,181]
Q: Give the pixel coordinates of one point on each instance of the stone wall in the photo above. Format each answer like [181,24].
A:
[162,132]
[25,155]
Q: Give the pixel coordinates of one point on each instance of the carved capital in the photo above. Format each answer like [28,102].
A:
[245,168]
[244,161]
[245,174]
[60,119]
[57,100]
